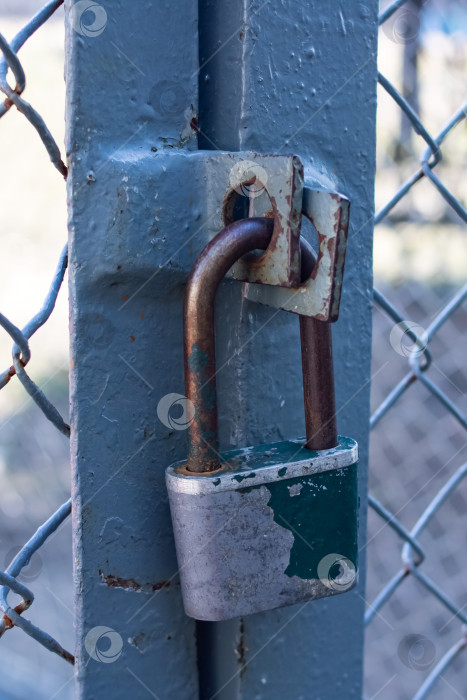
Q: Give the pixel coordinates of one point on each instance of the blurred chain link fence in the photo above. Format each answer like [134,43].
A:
[21,354]
[419,605]
[417,418]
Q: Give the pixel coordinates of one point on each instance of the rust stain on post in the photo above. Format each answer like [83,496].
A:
[118,582]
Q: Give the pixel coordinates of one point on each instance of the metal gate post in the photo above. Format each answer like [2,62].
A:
[131,74]
[276,78]
[294,77]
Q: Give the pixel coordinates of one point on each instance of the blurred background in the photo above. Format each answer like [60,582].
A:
[420,261]
[34,456]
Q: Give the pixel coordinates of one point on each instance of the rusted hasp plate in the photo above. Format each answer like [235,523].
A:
[320,295]
[274,186]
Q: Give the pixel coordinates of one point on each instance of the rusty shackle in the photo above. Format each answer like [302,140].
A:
[233,242]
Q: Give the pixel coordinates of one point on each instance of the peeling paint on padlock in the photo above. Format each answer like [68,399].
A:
[261,547]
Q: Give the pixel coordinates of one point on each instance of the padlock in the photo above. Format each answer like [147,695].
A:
[260,527]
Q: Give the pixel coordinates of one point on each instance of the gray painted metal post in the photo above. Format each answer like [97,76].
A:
[125,356]
[275,78]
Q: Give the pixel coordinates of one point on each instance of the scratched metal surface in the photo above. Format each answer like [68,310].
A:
[286,77]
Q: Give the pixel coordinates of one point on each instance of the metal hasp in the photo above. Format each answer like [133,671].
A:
[266,526]
[274,186]
[320,294]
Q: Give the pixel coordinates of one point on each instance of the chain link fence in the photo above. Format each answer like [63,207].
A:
[416,636]
[13,614]
[416,577]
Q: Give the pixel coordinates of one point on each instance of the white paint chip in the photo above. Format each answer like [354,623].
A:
[295,489]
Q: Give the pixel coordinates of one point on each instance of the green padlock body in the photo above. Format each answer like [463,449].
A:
[277,524]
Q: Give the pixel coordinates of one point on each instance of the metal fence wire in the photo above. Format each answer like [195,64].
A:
[417,650]
[419,362]
[13,616]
